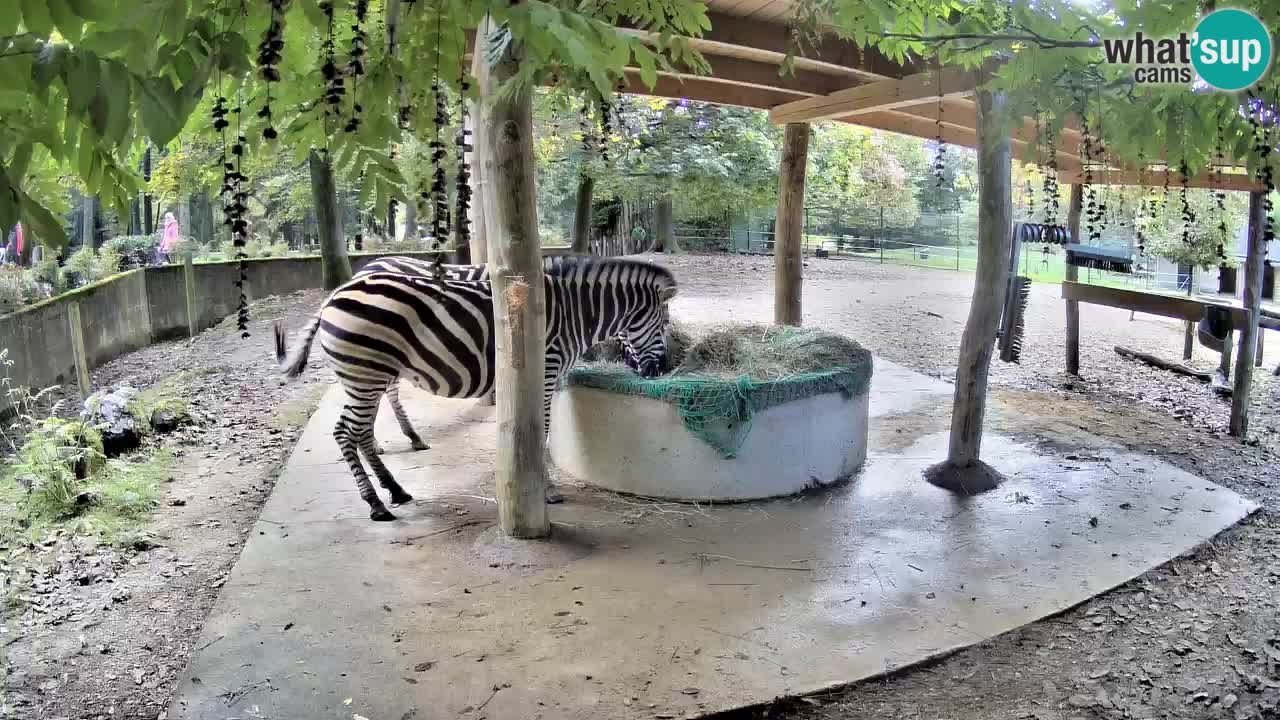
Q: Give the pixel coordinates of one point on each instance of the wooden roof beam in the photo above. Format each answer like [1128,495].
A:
[770,42]
[964,115]
[1156,178]
[880,96]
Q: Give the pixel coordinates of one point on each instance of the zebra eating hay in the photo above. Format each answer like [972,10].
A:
[439,270]
[439,335]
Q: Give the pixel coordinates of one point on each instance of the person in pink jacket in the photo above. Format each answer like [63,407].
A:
[169,243]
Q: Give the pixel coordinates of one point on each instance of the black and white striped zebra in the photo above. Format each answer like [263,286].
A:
[439,334]
[424,268]
[430,268]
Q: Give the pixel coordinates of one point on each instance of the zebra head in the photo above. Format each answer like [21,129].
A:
[644,335]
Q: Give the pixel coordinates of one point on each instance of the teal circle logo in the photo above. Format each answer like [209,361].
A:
[1231,49]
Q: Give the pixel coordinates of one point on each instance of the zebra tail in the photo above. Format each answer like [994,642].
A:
[295,362]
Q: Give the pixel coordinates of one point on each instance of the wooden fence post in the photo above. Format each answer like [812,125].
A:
[1252,297]
[1073,274]
[515,261]
[77,350]
[788,263]
[189,290]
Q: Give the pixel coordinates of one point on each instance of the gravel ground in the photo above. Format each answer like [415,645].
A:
[106,632]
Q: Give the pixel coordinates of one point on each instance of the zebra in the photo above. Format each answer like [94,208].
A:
[439,334]
[425,268]
[435,269]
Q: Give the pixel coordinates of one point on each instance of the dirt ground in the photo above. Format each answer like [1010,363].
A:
[1199,638]
[104,633]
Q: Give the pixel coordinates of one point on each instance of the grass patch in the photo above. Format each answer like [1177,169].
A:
[164,395]
[295,413]
[116,501]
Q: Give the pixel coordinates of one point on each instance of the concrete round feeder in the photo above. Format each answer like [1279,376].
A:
[641,445]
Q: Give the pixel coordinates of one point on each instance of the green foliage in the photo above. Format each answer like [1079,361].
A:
[133,250]
[47,273]
[55,454]
[858,171]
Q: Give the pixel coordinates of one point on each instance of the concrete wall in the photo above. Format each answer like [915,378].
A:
[139,307]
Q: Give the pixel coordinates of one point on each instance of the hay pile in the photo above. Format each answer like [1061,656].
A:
[719,376]
[759,352]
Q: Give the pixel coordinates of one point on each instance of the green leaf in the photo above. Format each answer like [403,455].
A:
[117,104]
[81,81]
[160,109]
[110,42]
[45,228]
[311,9]
[648,72]
[19,162]
[8,201]
[15,73]
[84,154]
[174,24]
[36,17]
[8,26]
[92,10]
[69,24]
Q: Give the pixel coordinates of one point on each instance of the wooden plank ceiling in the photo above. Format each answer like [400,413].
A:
[836,80]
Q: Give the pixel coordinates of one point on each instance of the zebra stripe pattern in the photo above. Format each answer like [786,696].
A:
[439,334]
[423,268]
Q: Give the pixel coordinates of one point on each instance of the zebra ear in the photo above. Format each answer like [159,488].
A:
[666,293]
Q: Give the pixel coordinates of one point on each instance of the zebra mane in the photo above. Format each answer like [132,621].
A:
[642,271]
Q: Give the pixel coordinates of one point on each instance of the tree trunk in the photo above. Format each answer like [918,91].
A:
[392,208]
[135,217]
[1252,299]
[410,222]
[788,259]
[581,241]
[335,268]
[666,230]
[148,212]
[1073,274]
[88,221]
[515,261]
[995,220]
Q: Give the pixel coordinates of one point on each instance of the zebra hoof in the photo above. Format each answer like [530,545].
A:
[420,445]
[381,514]
[554,497]
[401,498]
[380,451]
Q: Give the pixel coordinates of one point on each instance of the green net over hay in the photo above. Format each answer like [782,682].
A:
[724,374]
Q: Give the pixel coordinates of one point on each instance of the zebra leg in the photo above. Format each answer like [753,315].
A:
[350,428]
[369,446]
[550,380]
[393,394]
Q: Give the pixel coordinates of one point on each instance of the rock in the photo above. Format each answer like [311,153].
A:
[111,414]
[86,498]
[168,418]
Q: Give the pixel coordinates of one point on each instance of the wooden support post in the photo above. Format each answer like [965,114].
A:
[189,291]
[1073,274]
[1189,327]
[788,263]
[995,225]
[1252,298]
[515,262]
[77,350]
[1257,359]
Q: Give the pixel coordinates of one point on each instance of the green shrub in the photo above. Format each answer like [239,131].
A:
[82,267]
[109,260]
[48,273]
[134,250]
[56,455]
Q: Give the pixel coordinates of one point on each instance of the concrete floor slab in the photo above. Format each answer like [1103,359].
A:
[636,609]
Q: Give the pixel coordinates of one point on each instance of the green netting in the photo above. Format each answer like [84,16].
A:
[728,373]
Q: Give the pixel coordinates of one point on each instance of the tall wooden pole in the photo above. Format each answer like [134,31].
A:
[788,276]
[515,266]
[479,238]
[1252,298]
[995,226]
[1073,274]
